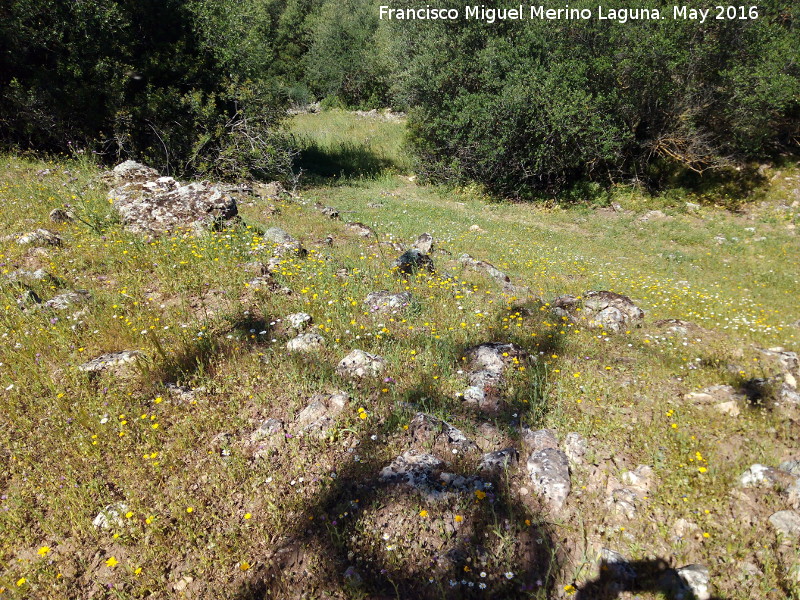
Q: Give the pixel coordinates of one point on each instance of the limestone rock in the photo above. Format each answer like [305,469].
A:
[499,460]
[269,191]
[575,447]
[610,311]
[359,364]
[283,243]
[360,229]
[412,261]
[299,321]
[111,516]
[321,413]
[119,363]
[129,172]
[39,237]
[787,523]
[384,301]
[549,473]
[429,429]
[306,342]
[424,243]
[621,569]
[266,430]
[691,582]
[488,268]
[59,215]
[161,205]
[539,439]
[758,475]
[68,300]
[623,501]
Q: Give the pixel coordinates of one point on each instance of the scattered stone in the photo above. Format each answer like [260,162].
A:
[320,414]
[416,470]
[791,466]
[787,523]
[119,363]
[575,447]
[621,569]
[183,393]
[641,479]
[161,204]
[359,364]
[412,261]
[111,516]
[486,364]
[793,493]
[68,300]
[610,311]
[599,310]
[651,215]
[129,172]
[360,229]
[420,470]
[283,243]
[328,211]
[39,275]
[683,529]
[59,215]
[623,501]
[691,582]
[539,440]
[424,243]
[730,408]
[758,475]
[306,342]
[266,430]
[499,460]
[269,191]
[221,443]
[40,237]
[429,429]
[384,301]
[488,268]
[299,321]
[716,395]
[549,473]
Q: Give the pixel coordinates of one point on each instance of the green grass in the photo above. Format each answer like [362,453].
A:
[285,524]
[336,143]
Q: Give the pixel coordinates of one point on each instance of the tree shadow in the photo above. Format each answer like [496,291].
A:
[345,159]
[644,576]
[349,525]
[338,516]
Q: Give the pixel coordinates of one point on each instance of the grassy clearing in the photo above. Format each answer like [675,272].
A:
[204,518]
[337,144]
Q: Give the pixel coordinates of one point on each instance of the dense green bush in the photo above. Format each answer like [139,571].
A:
[140,79]
[530,106]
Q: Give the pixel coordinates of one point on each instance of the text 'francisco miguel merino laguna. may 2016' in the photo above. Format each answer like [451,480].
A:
[566,13]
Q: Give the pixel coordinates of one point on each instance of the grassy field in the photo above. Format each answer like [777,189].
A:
[201,516]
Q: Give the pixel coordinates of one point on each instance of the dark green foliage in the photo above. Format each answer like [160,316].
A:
[347,58]
[531,106]
[138,79]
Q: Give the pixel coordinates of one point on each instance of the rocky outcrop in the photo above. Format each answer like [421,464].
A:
[151,204]
[600,310]
[360,365]
[384,301]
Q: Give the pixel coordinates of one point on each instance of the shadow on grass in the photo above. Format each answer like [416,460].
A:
[645,576]
[345,159]
[331,525]
[335,531]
